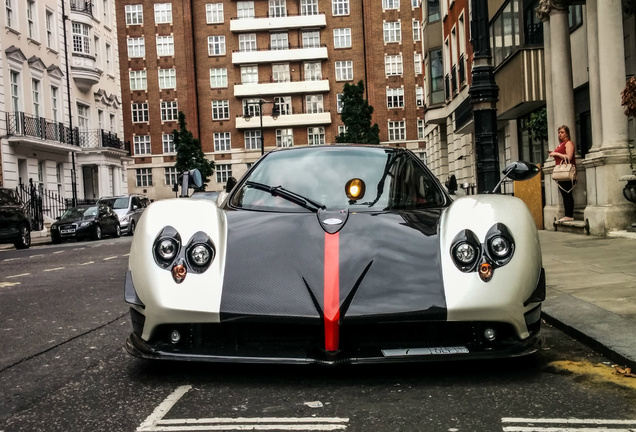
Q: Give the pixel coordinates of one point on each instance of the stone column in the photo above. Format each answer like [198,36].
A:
[549,102]
[561,67]
[117,180]
[594,74]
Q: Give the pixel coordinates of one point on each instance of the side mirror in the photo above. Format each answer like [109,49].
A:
[518,171]
[190,179]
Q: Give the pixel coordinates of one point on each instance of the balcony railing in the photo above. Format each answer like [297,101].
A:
[89,139]
[84,6]
[21,124]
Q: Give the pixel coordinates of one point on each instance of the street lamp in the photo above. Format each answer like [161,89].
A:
[247,115]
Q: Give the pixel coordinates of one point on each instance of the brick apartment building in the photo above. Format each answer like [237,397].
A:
[218,61]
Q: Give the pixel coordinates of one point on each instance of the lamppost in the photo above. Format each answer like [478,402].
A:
[70,112]
[247,115]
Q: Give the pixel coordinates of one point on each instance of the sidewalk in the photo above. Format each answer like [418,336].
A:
[591,290]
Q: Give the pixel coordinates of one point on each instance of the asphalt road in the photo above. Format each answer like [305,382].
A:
[63,322]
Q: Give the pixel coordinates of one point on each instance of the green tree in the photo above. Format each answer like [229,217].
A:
[189,152]
[538,125]
[356,115]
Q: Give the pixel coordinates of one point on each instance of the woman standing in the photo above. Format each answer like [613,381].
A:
[565,151]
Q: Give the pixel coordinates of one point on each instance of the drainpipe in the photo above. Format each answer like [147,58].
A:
[70,111]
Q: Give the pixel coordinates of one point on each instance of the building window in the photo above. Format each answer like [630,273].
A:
[390,4]
[141,144]
[397,130]
[165,46]
[31,16]
[280,73]
[283,103]
[415,3]
[35,91]
[344,70]
[436,74]
[170,175]
[420,129]
[55,103]
[417,31]
[59,177]
[138,80]
[505,32]
[309,7]
[575,16]
[316,136]
[342,38]
[340,7]
[314,104]
[216,45]
[392,32]
[214,13]
[81,41]
[109,59]
[169,111]
[9,13]
[432,10]
[311,39]
[168,143]
[533,26]
[139,112]
[252,139]
[41,175]
[134,14]
[339,103]
[163,13]
[277,8]
[218,77]
[222,141]
[247,42]
[284,137]
[220,110]
[393,65]
[167,78]
[223,172]
[245,9]
[249,74]
[143,177]
[83,124]
[313,71]
[15,91]
[395,98]
[136,47]
[50,35]
[419,96]
[279,41]
[342,129]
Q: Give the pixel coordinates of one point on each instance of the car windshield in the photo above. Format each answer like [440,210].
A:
[394,179]
[8,197]
[80,212]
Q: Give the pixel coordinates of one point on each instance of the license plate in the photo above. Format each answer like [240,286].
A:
[67,231]
[424,351]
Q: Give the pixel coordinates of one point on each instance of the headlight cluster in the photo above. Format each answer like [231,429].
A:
[196,256]
[469,254]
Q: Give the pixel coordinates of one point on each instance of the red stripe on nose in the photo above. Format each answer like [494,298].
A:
[332,292]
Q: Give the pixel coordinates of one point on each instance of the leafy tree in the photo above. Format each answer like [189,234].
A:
[538,125]
[356,115]
[189,152]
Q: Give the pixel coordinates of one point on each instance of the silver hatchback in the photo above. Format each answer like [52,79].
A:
[128,208]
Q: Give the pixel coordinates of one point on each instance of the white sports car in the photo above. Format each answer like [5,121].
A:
[337,254]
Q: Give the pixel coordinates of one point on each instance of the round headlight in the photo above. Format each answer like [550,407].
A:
[167,249]
[200,254]
[465,253]
[500,246]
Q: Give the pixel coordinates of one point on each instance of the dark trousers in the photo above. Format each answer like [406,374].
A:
[568,198]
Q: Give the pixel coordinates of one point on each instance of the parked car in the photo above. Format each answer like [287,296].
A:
[128,208]
[15,223]
[86,221]
[337,254]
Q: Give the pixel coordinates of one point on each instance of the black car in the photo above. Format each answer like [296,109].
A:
[15,225]
[86,221]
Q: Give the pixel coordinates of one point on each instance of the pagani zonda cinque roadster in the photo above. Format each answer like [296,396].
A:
[336,254]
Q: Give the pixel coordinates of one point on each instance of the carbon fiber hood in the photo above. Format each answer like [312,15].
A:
[389,265]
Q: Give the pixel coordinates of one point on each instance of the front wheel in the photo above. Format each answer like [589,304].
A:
[118,231]
[25,238]
[131,228]
[97,233]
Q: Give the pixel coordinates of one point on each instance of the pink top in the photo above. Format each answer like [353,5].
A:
[561,149]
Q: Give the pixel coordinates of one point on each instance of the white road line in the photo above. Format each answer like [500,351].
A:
[252,427]
[10,259]
[109,258]
[567,425]
[18,275]
[562,429]
[54,269]
[568,421]
[258,420]
[57,252]
[34,256]
[8,284]
[163,408]
[88,262]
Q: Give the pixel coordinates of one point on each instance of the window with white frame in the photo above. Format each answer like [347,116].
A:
[32,27]
[339,103]
[245,9]
[344,70]
[214,13]
[139,112]
[395,98]
[168,143]
[277,8]
[216,45]
[223,172]
[163,13]
[220,109]
[143,177]
[98,54]
[15,92]
[218,77]
[170,175]
[249,74]
[397,130]
[342,129]
[280,73]
[109,59]
[100,119]
[247,42]
[390,4]
[106,12]
[314,104]
[134,14]
[136,47]
[50,34]
[59,177]
[167,78]
[279,41]
[83,121]
[35,92]
[309,7]
[284,105]
[165,46]
[141,144]
[420,128]
[311,39]
[252,139]
[55,96]
[392,32]
[342,38]
[393,65]
[417,31]
[222,141]
[417,62]
[419,96]
[284,137]
[415,3]
[81,41]
[340,7]
[41,175]
[138,80]
[313,71]
[8,10]
[251,107]
[169,111]
[316,135]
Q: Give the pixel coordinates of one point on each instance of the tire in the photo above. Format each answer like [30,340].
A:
[117,231]
[25,238]
[56,239]
[131,228]
[97,232]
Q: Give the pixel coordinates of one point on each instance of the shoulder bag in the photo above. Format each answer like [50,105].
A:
[564,172]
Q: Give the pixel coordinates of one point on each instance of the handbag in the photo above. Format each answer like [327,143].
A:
[564,172]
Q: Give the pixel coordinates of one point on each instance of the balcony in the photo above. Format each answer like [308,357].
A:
[23,125]
[85,72]
[284,55]
[82,6]
[242,25]
[285,121]
[521,81]
[101,139]
[278,88]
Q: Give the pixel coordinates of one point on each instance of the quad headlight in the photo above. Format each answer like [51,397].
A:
[166,247]
[466,250]
[200,252]
[469,254]
[500,244]
[195,257]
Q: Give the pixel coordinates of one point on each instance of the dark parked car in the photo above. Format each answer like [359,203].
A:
[86,221]
[15,224]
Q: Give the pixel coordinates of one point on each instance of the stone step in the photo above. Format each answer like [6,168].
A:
[574,227]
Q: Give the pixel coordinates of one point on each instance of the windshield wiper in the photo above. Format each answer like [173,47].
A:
[288,195]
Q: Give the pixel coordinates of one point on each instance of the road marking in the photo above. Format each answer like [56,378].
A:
[54,269]
[10,259]
[7,285]
[89,262]
[18,275]
[110,258]
[57,252]
[34,256]
[163,408]
[566,425]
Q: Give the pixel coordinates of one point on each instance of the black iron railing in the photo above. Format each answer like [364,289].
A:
[21,124]
[99,138]
[84,6]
